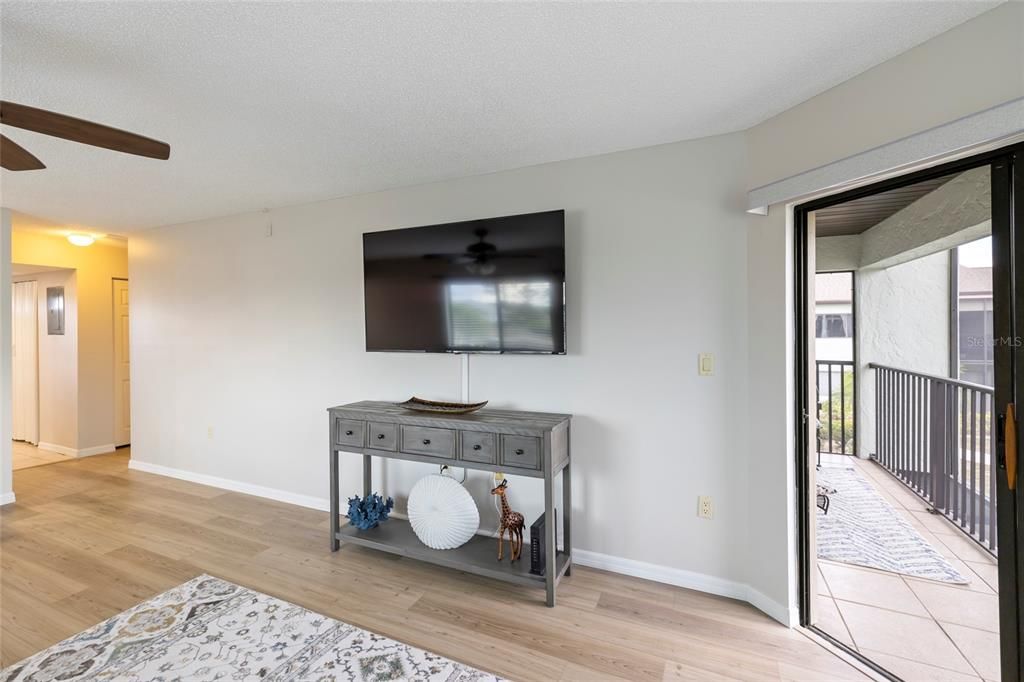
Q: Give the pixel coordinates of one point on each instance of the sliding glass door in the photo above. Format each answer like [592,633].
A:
[1008,341]
[910,535]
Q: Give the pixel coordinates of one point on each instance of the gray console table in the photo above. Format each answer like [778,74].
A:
[533,444]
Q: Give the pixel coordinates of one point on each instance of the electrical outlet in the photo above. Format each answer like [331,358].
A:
[209,433]
[704,508]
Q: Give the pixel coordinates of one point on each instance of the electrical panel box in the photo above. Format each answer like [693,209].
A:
[55,310]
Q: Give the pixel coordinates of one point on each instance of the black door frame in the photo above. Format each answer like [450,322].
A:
[1014,184]
[1007,168]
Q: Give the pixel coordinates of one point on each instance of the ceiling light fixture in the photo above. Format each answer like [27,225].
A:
[79,239]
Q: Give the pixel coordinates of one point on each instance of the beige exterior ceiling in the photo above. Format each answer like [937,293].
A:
[858,215]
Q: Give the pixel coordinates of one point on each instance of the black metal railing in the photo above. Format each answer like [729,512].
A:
[936,435]
[837,426]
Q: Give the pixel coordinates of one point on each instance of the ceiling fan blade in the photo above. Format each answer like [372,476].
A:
[14,157]
[79,130]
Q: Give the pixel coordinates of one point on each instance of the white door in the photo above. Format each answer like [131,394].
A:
[122,374]
[25,355]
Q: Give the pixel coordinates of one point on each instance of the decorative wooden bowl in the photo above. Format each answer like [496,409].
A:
[421,405]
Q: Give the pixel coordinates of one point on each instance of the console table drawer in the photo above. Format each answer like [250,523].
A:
[350,432]
[383,436]
[520,451]
[425,440]
[479,447]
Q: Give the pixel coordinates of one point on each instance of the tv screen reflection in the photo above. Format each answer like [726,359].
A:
[493,285]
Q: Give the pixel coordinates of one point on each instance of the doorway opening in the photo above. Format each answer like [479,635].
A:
[70,327]
[908,535]
[44,359]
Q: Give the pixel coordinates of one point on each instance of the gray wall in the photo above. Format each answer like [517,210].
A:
[240,341]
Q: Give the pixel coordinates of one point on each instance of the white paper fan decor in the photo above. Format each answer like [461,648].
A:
[442,513]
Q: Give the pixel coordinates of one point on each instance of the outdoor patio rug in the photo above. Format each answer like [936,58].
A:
[211,629]
[862,528]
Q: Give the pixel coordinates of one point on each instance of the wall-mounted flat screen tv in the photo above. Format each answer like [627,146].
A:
[480,286]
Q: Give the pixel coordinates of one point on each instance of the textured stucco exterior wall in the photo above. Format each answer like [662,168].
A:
[837,254]
[956,213]
[902,321]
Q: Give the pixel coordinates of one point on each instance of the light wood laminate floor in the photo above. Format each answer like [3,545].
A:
[90,538]
[25,455]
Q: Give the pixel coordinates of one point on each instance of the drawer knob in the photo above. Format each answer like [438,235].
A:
[380,436]
[426,441]
[349,432]
[519,451]
[477,446]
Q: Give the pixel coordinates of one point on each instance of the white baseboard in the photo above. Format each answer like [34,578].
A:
[98,450]
[6,498]
[688,579]
[661,574]
[788,616]
[73,452]
[606,562]
[308,501]
[59,449]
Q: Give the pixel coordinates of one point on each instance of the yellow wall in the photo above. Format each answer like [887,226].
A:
[96,267]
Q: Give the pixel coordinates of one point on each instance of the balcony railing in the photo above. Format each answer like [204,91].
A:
[837,432]
[936,435]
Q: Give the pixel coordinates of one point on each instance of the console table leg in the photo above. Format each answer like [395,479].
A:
[567,514]
[367,469]
[550,533]
[335,525]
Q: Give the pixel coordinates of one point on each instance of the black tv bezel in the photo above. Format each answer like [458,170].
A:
[471,351]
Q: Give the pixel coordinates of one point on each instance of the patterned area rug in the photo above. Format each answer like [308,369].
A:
[210,629]
[861,528]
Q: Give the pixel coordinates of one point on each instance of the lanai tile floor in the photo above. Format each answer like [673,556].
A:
[918,629]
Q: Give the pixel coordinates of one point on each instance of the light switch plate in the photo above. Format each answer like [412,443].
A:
[705,364]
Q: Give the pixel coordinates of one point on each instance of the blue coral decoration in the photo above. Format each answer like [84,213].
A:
[367,513]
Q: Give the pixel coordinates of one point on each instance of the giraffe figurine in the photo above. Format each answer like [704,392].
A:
[511,521]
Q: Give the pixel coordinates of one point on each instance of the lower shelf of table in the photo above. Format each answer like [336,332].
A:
[478,556]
